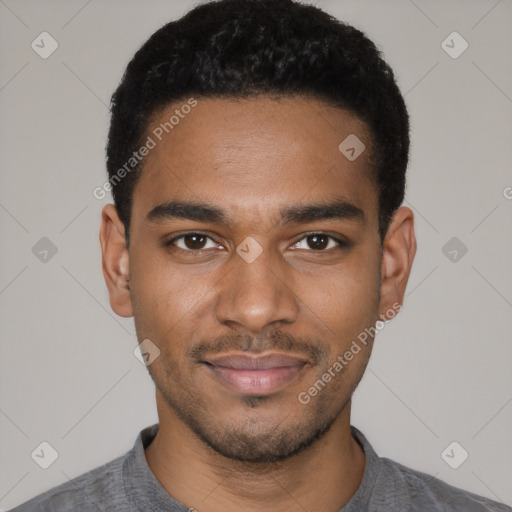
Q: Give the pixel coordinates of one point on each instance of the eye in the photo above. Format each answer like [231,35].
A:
[192,242]
[319,242]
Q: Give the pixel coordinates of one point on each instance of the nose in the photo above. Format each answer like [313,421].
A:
[254,294]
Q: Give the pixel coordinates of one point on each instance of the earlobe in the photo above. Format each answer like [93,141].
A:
[115,261]
[399,249]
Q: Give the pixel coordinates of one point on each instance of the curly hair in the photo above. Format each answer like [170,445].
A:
[241,48]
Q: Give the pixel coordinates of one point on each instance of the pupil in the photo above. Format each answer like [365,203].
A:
[319,241]
[197,243]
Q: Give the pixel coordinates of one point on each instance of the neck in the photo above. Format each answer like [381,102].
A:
[322,477]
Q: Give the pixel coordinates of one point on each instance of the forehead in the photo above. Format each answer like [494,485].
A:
[255,154]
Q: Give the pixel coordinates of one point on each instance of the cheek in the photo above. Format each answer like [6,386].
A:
[345,312]
[345,301]
[165,297]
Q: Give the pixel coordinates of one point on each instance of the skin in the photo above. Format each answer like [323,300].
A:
[217,449]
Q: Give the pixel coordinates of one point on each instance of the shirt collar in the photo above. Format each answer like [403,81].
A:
[145,492]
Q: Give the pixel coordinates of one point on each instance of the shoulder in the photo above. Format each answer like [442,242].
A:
[421,491]
[88,492]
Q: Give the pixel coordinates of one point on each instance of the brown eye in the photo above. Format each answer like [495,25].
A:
[319,242]
[192,242]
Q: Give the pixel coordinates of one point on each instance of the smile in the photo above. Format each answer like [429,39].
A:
[255,375]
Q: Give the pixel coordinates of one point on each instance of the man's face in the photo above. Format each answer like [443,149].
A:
[304,297]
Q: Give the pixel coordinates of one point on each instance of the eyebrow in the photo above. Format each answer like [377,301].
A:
[339,209]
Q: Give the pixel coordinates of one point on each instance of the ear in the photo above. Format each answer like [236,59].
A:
[399,248]
[115,261]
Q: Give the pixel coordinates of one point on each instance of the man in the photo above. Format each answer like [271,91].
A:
[257,157]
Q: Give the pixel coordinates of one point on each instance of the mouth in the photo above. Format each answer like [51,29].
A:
[251,374]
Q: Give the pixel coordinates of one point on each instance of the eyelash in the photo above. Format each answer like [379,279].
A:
[171,243]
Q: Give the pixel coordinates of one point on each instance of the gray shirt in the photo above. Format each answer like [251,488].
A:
[126,484]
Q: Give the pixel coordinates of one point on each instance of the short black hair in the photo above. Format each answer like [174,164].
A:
[241,48]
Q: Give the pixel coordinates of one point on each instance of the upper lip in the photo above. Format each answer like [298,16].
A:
[247,361]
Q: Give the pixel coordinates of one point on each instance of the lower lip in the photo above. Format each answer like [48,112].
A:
[256,382]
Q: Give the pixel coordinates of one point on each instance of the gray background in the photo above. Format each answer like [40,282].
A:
[439,373]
